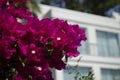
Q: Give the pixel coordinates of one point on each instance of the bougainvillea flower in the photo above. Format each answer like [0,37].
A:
[29,47]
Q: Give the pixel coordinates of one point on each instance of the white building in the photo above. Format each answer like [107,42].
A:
[101,52]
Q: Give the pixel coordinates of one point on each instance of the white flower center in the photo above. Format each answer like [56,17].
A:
[39,68]
[33,52]
[7,3]
[58,38]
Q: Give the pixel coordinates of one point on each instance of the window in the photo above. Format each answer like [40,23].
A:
[84,49]
[109,74]
[70,72]
[108,44]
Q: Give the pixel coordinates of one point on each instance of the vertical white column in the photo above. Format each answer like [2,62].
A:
[59,75]
[97,72]
[92,41]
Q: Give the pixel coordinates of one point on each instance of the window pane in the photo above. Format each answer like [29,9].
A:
[108,44]
[109,74]
[84,49]
[102,43]
[70,72]
[113,44]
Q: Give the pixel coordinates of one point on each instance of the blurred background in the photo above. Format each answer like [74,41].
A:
[101,21]
[99,7]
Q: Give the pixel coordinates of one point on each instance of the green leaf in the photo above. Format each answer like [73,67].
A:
[90,76]
[33,6]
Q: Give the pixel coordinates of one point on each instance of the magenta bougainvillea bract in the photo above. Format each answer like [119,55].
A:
[29,47]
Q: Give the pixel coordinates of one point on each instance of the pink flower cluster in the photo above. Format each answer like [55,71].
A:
[29,49]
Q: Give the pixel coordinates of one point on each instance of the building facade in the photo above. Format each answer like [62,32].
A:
[101,51]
